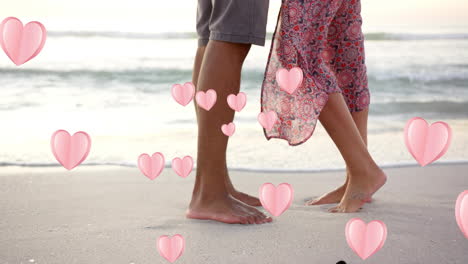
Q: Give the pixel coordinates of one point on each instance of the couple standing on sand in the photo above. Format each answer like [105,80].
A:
[324,39]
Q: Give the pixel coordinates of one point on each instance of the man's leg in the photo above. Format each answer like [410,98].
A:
[220,69]
[243,197]
[365,177]
[335,196]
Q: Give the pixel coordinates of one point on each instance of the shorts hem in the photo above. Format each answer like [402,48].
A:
[202,42]
[247,39]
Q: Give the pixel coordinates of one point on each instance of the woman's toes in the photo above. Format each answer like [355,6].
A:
[335,209]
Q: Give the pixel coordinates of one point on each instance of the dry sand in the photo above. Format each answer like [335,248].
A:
[115,215]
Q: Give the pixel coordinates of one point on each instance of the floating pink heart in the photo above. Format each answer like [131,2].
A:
[70,151]
[21,44]
[427,143]
[206,100]
[182,167]
[152,166]
[237,102]
[290,80]
[267,119]
[461,212]
[171,248]
[183,94]
[228,129]
[364,239]
[276,200]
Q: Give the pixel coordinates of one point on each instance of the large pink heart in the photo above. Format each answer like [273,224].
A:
[171,248]
[290,80]
[228,129]
[237,102]
[267,119]
[182,167]
[152,166]
[427,143]
[461,212]
[183,94]
[70,151]
[21,44]
[276,200]
[206,100]
[364,239]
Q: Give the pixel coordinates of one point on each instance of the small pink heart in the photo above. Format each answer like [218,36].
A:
[276,200]
[228,129]
[206,100]
[183,94]
[70,151]
[427,143]
[152,166]
[237,102]
[267,119]
[182,167]
[290,80]
[21,44]
[461,212]
[364,239]
[171,248]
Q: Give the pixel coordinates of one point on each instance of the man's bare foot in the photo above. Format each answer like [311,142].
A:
[245,198]
[226,210]
[360,190]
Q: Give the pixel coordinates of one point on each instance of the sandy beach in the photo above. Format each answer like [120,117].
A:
[111,214]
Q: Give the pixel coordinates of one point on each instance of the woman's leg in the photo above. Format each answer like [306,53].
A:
[335,196]
[345,53]
[365,177]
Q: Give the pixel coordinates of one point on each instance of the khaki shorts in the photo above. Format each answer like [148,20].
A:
[239,21]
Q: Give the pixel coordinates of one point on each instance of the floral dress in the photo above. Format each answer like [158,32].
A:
[324,39]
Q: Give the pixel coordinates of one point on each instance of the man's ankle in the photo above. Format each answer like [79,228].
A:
[205,194]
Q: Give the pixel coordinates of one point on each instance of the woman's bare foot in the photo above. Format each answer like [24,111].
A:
[334,196]
[360,190]
[226,209]
[329,198]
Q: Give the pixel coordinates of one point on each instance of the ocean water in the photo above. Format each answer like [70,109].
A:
[116,87]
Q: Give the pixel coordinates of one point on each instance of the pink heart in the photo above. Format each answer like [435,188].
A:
[171,248]
[237,102]
[228,129]
[364,239]
[21,44]
[152,166]
[290,80]
[276,200]
[70,151]
[267,119]
[461,212]
[427,143]
[182,167]
[206,100]
[183,94]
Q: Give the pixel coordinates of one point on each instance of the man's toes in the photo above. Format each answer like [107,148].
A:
[253,219]
[335,209]
[258,219]
[243,220]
